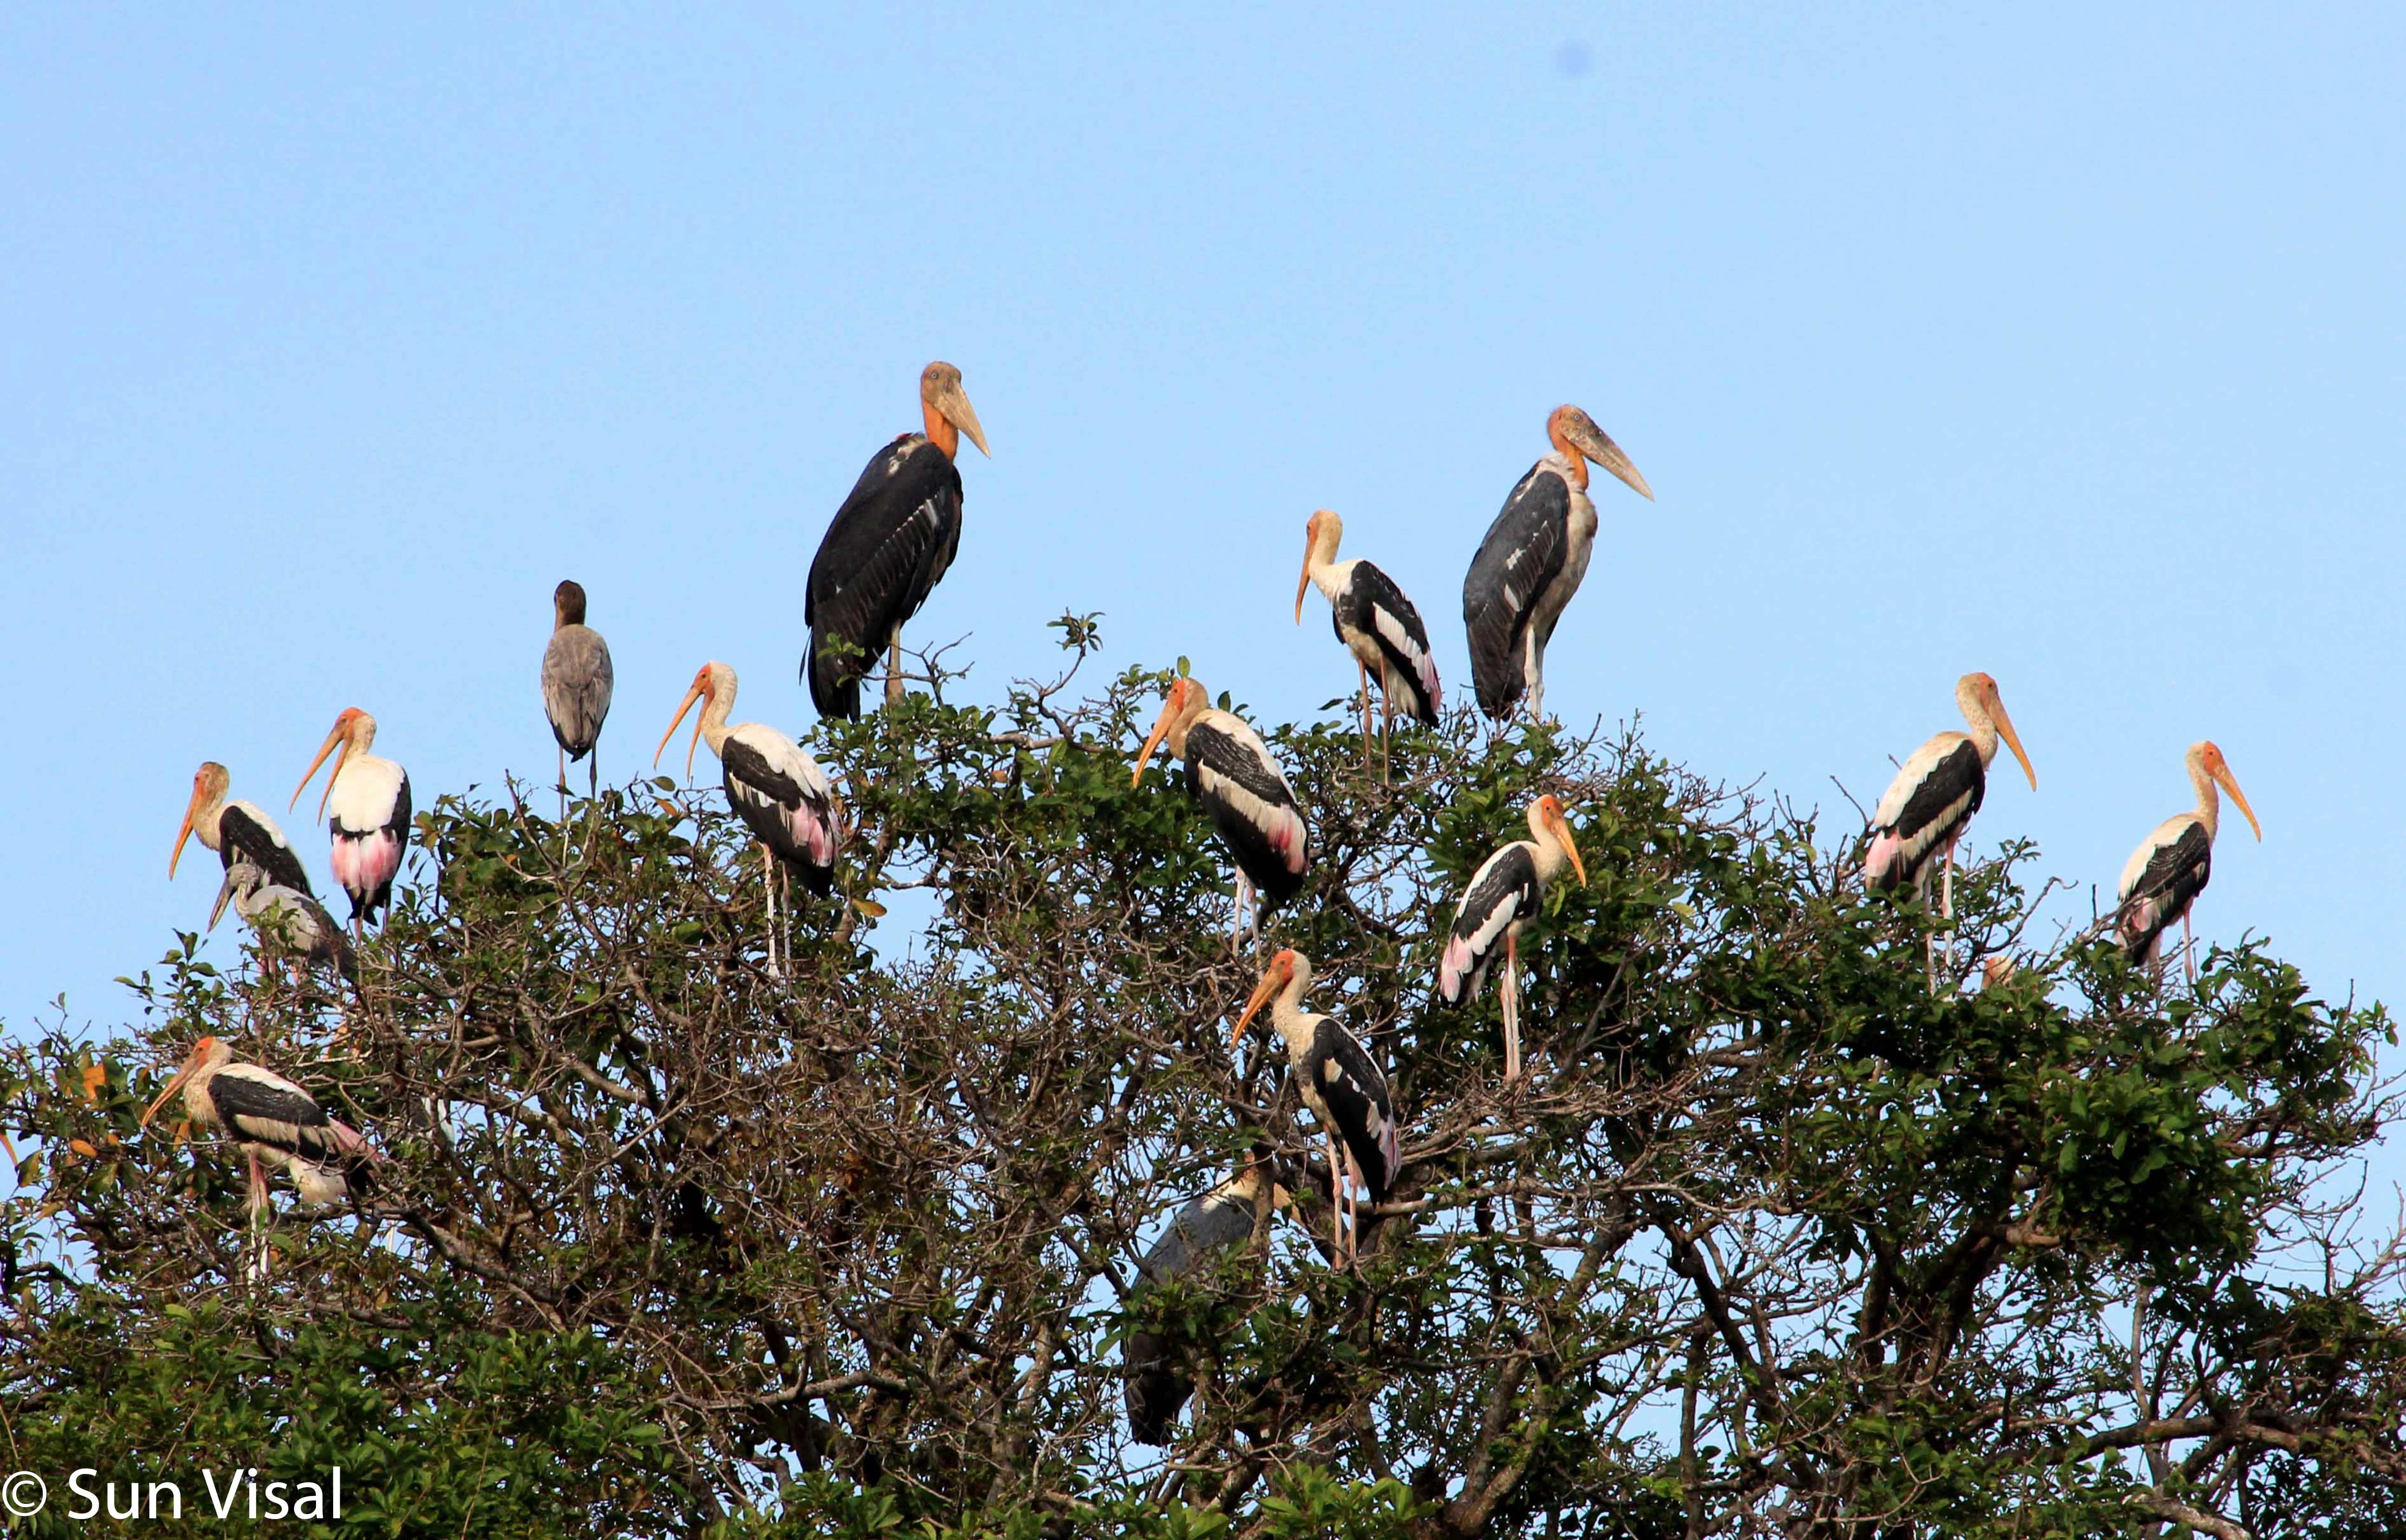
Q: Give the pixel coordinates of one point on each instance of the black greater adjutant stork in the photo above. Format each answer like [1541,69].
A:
[1343,1086]
[1378,624]
[1229,769]
[1930,802]
[1532,561]
[887,548]
[1507,893]
[2166,873]
[576,685]
[1158,1384]
[370,826]
[273,1120]
[773,785]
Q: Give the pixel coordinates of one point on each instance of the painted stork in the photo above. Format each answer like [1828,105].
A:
[1158,1384]
[1378,624]
[1229,769]
[369,826]
[887,548]
[1930,802]
[773,785]
[2165,874]
[1532,561]
[287,922]
[274,1122]
[1506,892]
[236,831]
[1342,1086]
[577,683]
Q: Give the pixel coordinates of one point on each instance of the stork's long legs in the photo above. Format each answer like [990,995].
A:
[1337,1254]
[1512,1005]
[1362,671]
[1236,923]
[768,886]
[2188,950]
[893,668]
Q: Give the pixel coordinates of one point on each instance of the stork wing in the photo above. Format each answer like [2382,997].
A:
[1524,549]
[1375,606]
[886,548]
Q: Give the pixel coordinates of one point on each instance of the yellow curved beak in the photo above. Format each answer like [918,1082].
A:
[338,744]
[690,697]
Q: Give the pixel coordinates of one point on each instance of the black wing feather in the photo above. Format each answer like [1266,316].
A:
[886,550]
[1524,550]
[242,838]
[1949,781]
[2173,878]
[1371,592]
[1260,860]
[238,1097]
[1357,1099]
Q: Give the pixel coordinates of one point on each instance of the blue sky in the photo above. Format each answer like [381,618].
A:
[2063,344]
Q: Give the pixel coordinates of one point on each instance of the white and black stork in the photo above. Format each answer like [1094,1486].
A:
[1229,769]
[577,681]
[1506,892]
[888,548]
[264,880]
[276,1123]
[1532,561]
[2165,874]
[1930,802]
[237,831]
[1345,1089]
[773,783]
[1378,624]
[1222,1219]
[370,824]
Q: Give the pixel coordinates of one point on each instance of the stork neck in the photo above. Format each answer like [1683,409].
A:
[941,432]
[1292,1021]
[715,708]
[1983,726]
[1548,856]
[208,823]
[1574,464]
[2209,801]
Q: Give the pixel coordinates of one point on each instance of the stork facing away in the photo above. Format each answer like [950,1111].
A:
[577,681]
[2163,879]
[888,548]
[1378,624]
[1345,1089]
[1930,804]
[1506,892]
[1532,560]
[370,824]
[1230,770]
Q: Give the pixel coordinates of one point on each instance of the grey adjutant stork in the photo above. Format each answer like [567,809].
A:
[1930,802]
[773,783]
[1532,560]
[2163,879]
[273,1120]
[369,797]
[1345,1089]
[1158,1384]
[886,548]
[578,680]
[1507,893]
[1230,770]
[1378,624]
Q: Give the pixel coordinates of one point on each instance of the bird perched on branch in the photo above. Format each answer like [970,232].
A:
[1231,772]
[1345,1089]
[275,1123]
[370,824]
[1506,892]
[577,681]
[2163,879]
[1205,1230]
[1377,626]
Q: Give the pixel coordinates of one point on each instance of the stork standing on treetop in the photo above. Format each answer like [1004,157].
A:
[370,824]
[273,1120]
[1222,1219]
[577,681]
[1506,894]
[1378,624]
[2165,874]
[773,783]
[1532,561]
[1343,1086]
[888,548]
[1930,802]
[1229,771]
[264,878]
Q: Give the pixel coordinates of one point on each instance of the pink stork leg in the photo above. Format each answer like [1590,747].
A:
[1338,1256]
[1512,1005]
[768,886]
[2188,950]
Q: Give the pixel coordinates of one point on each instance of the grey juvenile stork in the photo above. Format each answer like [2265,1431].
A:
[576,685]
[1204,1232]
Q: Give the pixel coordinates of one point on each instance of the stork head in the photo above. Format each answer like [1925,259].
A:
[1976,694]
[1575,435]
[207,1054]
[354,731]
[1998,969]
[208,795]
[713,682]
[2209,760]
[1548,821]
[568,604]
[1321,535]
[1181,705]
[1290,972]
[946,407]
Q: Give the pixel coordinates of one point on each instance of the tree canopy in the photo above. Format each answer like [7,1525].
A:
[1770,1238]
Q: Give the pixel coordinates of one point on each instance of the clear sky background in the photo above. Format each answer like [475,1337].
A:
[2064,342]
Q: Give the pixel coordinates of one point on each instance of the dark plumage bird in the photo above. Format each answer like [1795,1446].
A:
[1158,1384]
[1532,560]
[1506,892]
[287,922]
[887,548]
[1378,624]
[273,1120]
[578,680]
[1230,770]
[2165,874]
[1344,1087]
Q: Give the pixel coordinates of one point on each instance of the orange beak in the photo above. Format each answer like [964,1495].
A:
[2013,740]
[1303,584]
[183,1074]
[1160,730]
[700,688]
[340,738]
[2230,783]
[184,830]
[1281,970]
[1562,831]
